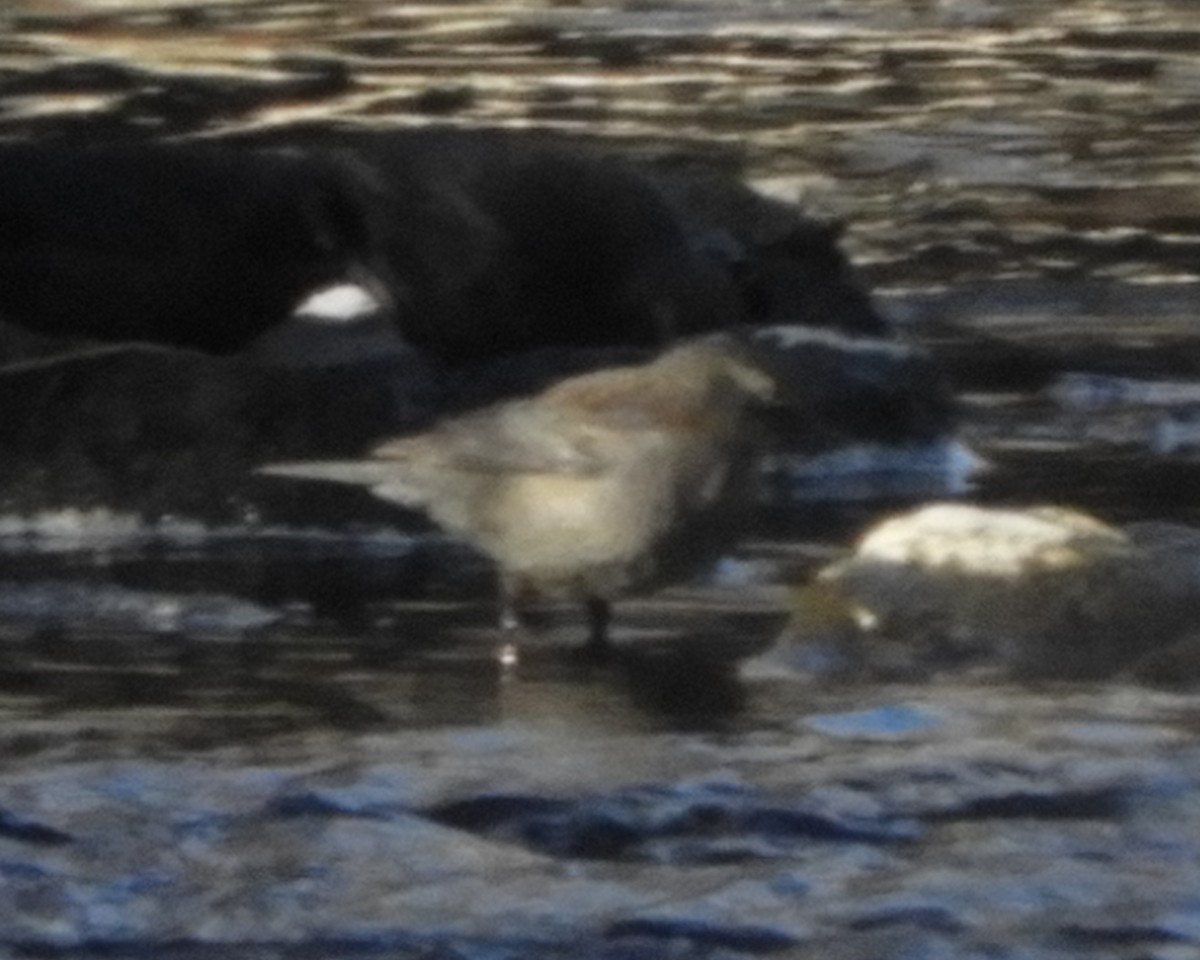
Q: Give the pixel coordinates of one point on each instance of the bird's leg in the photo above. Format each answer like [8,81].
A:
[599,614]
[510,618]
[512,623]
[512,592]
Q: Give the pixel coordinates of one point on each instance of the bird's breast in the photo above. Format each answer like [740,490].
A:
[548,521]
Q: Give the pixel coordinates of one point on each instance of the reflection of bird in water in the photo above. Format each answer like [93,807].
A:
[601,484]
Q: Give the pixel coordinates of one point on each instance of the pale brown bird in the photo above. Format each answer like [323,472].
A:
[602,484]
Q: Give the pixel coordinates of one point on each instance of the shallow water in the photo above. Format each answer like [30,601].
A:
[1028,171]
[1023,171]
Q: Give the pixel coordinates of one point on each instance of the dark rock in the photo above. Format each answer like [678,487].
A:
[158,431]
[197,246]
[836,389]
[501,243]
[787,266]
[484,382]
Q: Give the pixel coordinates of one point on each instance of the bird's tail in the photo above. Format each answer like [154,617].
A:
[365,473]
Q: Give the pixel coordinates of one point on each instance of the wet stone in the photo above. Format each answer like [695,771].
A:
[1040,592]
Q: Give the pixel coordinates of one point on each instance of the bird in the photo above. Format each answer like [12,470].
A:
[603,484]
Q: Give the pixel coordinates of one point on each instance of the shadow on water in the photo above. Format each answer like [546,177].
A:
[345,651]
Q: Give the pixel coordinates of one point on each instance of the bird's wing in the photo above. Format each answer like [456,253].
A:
[516,437]
[628,400]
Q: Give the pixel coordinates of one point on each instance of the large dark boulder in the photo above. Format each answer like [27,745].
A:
[160,431]
[193,246]
[485,242]
[786,266]
[498,242]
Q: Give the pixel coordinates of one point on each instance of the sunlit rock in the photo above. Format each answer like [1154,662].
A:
[1047,591]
